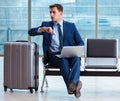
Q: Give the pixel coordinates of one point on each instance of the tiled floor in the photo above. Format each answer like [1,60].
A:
[94,89]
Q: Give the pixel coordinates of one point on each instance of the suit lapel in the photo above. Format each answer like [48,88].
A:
[64,30]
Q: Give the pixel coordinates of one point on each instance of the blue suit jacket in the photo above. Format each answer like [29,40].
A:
[71,36]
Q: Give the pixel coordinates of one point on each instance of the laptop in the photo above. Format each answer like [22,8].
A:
[71,51]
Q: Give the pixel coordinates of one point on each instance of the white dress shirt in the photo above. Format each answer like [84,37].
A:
[55,37]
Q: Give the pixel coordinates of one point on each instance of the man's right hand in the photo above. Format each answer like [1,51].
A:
[46,29]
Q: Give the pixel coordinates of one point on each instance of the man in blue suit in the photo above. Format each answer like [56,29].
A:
[56,34]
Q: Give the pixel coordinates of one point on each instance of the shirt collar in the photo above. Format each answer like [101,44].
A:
[61,23]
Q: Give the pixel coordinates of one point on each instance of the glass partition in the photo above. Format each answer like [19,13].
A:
[13,21]
[109,19]
[14,18]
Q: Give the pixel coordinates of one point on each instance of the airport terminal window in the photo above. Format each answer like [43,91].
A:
[109,19]
[14,18]
[13,21]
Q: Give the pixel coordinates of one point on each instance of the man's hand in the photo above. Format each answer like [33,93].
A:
[46,29]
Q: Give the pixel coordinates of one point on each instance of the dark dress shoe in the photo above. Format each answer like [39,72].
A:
[77,91]
[71,88]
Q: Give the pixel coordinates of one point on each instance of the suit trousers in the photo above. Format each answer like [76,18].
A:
[69,67]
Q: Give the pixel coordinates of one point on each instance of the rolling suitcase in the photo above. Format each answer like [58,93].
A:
[21,60]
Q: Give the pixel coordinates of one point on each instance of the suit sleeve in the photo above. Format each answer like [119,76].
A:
[34,31]
[77,37]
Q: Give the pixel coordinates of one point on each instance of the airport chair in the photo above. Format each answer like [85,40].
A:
[101,54]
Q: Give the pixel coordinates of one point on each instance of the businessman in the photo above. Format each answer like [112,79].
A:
[56,34]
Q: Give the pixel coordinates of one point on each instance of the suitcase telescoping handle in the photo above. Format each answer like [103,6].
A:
[22,41]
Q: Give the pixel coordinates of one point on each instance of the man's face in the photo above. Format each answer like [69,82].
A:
[55,14]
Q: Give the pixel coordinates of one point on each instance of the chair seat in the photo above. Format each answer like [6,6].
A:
[49,66]
[101,67]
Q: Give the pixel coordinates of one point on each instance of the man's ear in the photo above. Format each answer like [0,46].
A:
[61,12]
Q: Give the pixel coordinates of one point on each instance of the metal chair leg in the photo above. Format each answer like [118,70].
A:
[44,78]
[46,82]
[43,83]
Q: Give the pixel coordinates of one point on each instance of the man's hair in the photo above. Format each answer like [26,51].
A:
[59,7]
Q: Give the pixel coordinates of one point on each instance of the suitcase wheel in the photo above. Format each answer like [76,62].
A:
[5,88]
[36,89]
[31,90]
[11,89]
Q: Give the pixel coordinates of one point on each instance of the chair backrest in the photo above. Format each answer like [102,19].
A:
[101,48]
[101,52]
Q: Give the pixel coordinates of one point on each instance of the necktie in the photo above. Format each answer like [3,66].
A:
[60,37]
